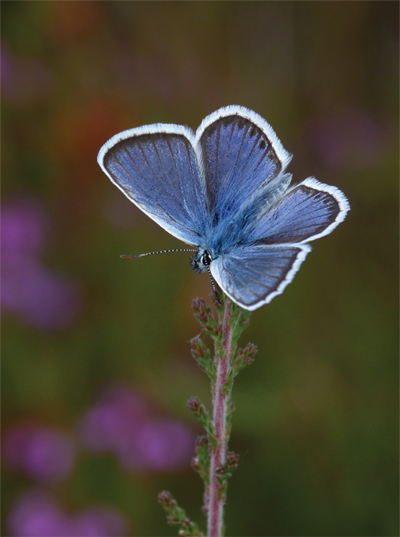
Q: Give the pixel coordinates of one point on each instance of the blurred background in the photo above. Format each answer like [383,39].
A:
[96,361]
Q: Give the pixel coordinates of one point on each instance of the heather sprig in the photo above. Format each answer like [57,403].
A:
[212,461]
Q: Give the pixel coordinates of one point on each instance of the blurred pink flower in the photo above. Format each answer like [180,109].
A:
[98,522]
[36,514]
[122,422]
[41,298]
[106,425]
[23,80]
[160,444]
[24,229]
[41,452]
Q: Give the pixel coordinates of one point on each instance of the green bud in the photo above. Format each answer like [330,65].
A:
[204,419]
[202,355]
[176,515]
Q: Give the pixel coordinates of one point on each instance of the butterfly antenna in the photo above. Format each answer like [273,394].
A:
[160,252]
[214,287]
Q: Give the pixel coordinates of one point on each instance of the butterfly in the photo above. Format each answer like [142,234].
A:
[225,191]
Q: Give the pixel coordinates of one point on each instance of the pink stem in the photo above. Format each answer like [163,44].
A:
[218,456]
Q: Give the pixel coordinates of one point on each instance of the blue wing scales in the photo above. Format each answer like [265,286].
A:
[253,275]
[306,212]
[159,172]
[243,160]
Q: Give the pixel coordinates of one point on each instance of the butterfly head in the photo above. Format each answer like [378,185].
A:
[201,261]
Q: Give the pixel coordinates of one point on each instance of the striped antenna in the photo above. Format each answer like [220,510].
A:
[160,252]
[214,287]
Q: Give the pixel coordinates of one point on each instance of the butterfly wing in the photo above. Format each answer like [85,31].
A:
[253,275]
[157,168]
[306,212]
[244,161]
[226,185]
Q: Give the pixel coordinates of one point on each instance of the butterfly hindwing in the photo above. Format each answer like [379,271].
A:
[306,212]
[253,275]
[159,172]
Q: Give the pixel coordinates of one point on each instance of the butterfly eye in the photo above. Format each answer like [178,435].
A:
[206,259]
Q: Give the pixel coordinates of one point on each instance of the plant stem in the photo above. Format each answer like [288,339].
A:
[216,501]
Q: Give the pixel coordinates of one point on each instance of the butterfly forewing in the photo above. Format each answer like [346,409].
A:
[253,275]
[159,172]
[241,159]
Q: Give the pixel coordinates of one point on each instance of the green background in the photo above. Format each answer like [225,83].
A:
[316,421]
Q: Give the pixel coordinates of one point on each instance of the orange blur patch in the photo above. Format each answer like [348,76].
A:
[73,21]
[80,132]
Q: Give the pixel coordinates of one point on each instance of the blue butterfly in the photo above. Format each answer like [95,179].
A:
[225,190]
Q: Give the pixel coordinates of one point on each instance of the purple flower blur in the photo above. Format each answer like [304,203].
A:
[36,514]
[23,80]
[122,422]
[98,522]
[41,452]
[161,444]
[39,297]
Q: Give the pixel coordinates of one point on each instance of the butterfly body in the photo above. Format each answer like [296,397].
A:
[201,260]
[225,190]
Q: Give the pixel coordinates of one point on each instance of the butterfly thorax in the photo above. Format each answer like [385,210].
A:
[219,240]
